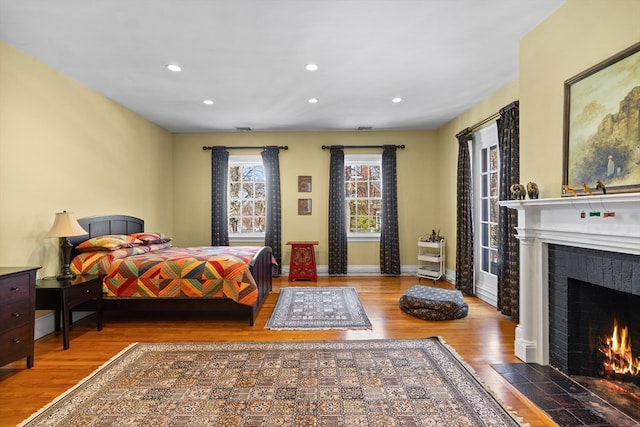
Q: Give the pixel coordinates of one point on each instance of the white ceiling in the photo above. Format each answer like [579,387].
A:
[248,56]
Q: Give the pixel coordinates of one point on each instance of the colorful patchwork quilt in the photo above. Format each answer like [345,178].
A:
[169,272]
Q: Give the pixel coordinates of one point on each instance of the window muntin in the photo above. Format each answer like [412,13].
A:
[246,196]
[363,190]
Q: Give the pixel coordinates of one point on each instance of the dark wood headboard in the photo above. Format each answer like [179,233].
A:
[109,224]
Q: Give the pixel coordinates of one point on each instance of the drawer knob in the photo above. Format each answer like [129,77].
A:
[86,291]
[16,340]
[15,289]
[15,314]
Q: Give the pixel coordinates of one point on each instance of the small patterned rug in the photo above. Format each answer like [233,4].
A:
[318,308]
[302,383]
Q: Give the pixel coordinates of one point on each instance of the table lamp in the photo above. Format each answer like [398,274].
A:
[65,226]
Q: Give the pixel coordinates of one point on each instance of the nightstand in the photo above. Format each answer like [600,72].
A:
[63,295]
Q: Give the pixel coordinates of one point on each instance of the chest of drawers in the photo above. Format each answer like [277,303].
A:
[17,313]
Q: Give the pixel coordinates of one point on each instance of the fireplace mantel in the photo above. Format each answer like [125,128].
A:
[559,221]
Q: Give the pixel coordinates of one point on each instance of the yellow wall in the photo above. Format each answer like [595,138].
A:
[418,190]
[64,147]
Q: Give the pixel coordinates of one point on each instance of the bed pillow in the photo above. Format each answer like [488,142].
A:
[109,242]
[150,238]
[98,262]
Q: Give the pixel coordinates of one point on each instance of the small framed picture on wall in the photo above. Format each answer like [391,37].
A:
[304,184]
[304,206]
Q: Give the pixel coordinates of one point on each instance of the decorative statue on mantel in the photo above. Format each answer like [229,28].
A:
[532,190]
[518,192]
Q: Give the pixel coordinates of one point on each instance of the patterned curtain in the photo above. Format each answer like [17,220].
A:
[464,225]
[273,232]
[337,214]
[219,216]
[508,246]
[389,239]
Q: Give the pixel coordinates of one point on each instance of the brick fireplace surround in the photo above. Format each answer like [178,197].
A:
[558,221]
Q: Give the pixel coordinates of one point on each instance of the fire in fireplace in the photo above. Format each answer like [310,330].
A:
[617,354]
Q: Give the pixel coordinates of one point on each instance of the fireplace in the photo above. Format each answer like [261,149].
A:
[575,260]
[590,303]
[543,223]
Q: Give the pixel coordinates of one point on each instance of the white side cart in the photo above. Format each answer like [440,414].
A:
[431,260]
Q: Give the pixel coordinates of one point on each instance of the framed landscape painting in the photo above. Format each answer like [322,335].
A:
[602,126]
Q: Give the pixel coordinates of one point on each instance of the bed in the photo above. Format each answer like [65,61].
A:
[153,275]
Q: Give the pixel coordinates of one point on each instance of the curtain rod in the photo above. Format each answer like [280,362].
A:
[222,147]
[471,129]
[328,147]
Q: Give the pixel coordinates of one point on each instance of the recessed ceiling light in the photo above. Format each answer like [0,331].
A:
[313,100]
[174,67]
[311,67]
[208,101]
[396,99]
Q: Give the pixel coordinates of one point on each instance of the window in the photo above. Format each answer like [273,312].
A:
[363,184]
[489,209]
[247,197]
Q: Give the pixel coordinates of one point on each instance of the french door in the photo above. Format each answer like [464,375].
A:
[486,173]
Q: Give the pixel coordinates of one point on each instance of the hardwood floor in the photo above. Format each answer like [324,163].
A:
[482,338]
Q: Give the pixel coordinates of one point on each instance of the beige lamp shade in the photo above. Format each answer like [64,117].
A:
[66,225]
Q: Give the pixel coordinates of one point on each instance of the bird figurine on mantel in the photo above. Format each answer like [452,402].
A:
[586,189]
[600,186]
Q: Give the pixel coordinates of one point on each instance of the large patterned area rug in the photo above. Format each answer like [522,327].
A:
[304,383]
[318,308]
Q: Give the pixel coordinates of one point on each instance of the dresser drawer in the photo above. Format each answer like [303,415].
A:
[14,314]
[15,343]
[14,288]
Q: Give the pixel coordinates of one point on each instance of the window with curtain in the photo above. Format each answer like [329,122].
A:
[363,185]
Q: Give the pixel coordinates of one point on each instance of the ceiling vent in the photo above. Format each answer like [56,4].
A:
[364,128]
[243,129]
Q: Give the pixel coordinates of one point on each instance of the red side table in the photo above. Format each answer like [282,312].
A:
[303,261]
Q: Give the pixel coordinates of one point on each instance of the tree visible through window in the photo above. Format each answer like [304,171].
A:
[247,195]
[363,181]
